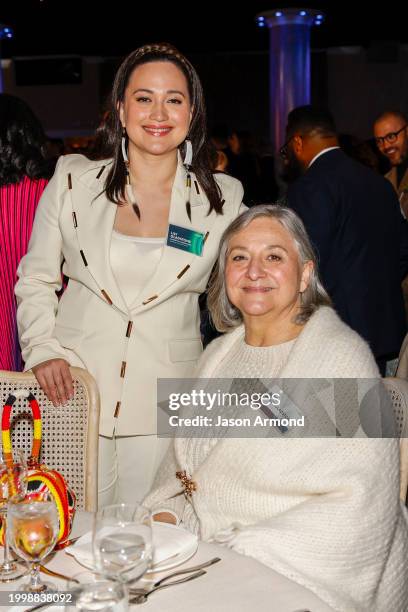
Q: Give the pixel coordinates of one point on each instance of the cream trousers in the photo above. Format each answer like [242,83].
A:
[127,467]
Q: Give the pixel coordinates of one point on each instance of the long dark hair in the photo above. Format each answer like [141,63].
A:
[22,143]
[111,130]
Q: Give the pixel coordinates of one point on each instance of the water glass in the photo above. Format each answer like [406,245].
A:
[97,593]
[122,541]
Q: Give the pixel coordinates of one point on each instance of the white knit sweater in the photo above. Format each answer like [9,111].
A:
[324,512]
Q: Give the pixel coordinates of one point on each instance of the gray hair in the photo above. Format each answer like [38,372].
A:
[224,314]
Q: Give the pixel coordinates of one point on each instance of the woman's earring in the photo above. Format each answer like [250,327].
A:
[188,159]
[124,152]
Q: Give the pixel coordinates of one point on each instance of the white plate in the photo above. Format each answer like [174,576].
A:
[165,564]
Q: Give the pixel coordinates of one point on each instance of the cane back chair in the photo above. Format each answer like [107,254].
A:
[398,391]
[69,433]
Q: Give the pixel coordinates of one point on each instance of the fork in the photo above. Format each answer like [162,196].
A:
[186,570]
[139,596]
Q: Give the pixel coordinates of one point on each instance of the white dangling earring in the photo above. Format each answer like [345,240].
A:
[124,152]
[188,158]
[128,187]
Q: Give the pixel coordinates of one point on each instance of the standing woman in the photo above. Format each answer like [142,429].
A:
[24,173]
[137,234]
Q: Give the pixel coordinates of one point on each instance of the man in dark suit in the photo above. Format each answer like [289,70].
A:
[353,219]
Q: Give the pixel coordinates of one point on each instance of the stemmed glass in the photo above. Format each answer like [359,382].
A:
[122,541]
[97,593]
[33,532]
[13,488]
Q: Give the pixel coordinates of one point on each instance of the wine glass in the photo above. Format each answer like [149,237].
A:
[122,541]
[13,487]
[33,532]
[97,593]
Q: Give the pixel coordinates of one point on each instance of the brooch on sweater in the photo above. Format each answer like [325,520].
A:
[188,484]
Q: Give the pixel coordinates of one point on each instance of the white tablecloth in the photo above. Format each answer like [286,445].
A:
[235,584]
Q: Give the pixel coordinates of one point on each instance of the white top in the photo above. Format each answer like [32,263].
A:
[134,261]
[239,363]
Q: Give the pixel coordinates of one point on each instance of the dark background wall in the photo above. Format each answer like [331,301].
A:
[364,82]
[356,83]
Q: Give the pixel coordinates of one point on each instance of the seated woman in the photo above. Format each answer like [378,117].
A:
[323,512]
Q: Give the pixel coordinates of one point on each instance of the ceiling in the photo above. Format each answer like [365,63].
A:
[45,27]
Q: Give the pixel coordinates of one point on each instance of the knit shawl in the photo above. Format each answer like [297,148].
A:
[323,512]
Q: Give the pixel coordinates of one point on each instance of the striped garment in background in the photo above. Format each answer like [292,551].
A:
[18,203]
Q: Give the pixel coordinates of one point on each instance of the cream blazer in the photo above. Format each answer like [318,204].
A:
[125,349]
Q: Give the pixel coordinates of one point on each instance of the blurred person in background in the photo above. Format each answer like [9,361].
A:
[391,137]
[364,151]
[243,163]
[352,215]
[24,173]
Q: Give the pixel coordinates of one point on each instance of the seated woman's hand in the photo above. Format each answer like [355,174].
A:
[165,517]
[55,380]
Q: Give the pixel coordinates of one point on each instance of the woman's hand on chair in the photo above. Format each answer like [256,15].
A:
[55,380]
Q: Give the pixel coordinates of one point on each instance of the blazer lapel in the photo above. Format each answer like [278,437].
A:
[95,217]
[174,262]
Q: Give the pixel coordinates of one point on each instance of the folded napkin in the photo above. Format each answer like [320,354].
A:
[170,544]
[170,541]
